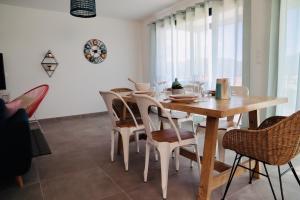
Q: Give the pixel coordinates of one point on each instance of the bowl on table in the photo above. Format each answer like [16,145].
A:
[142,86]
[149,93]
[183,98]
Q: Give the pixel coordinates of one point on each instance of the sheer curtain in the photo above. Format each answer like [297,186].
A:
[201,43]
[227,21]
[289,56]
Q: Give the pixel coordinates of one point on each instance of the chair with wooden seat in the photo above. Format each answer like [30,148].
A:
[180,117]
[126,127]
[177,117]
[122,112]
[118,90]
[275,142]
[226,124]
[120,109]
[165,141]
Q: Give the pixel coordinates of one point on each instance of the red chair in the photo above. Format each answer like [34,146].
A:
[30,100]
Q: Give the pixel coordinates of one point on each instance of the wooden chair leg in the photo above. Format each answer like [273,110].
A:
[19,180]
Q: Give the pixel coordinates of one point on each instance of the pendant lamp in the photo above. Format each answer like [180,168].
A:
[83,8]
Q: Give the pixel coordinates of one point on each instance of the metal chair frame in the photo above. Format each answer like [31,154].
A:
[164,148]
[236,164]
[125,132]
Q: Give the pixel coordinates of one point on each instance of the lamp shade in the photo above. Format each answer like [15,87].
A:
[83,8]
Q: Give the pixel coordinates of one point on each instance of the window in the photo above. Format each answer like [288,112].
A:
[289,56]
[201,43]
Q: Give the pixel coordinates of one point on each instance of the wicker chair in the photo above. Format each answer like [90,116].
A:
[275,142]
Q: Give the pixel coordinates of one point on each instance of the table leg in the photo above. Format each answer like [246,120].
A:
[254,121]
[206,174]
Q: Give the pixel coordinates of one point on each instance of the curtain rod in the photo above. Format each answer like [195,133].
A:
[183,11]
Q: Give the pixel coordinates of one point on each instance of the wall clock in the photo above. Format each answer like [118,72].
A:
[95,51]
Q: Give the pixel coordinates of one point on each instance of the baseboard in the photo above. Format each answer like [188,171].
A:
[74,116]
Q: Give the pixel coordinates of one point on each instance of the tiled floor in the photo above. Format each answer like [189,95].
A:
[80,168]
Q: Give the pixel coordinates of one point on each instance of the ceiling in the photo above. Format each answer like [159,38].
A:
[124,9]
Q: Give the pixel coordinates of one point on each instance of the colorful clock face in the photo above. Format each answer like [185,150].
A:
[95,51]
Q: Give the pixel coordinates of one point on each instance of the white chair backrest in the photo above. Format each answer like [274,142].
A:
[191,87]
[239,91]
[109,97]
[144,102]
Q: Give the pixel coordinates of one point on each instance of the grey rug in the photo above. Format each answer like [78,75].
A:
[39,143]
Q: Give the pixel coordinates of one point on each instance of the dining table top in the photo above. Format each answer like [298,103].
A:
[219,108]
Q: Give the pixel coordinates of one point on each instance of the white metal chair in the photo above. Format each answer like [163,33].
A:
[226,124]
[126,128]
[165,141]
[177,116]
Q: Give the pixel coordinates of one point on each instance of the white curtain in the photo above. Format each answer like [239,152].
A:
[193,45]
[289,56]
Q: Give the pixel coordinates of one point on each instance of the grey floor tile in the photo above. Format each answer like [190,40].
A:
[61,164]
[84,185]
[121,196]
[126,180]
[80,168]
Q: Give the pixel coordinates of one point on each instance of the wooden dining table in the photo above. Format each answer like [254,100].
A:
[215,109]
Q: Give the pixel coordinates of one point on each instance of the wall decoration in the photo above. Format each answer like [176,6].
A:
[95,51]
[49,63]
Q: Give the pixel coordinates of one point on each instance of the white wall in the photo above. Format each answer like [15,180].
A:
[27,34]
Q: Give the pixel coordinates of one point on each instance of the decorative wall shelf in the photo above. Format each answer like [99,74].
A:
[49,63]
